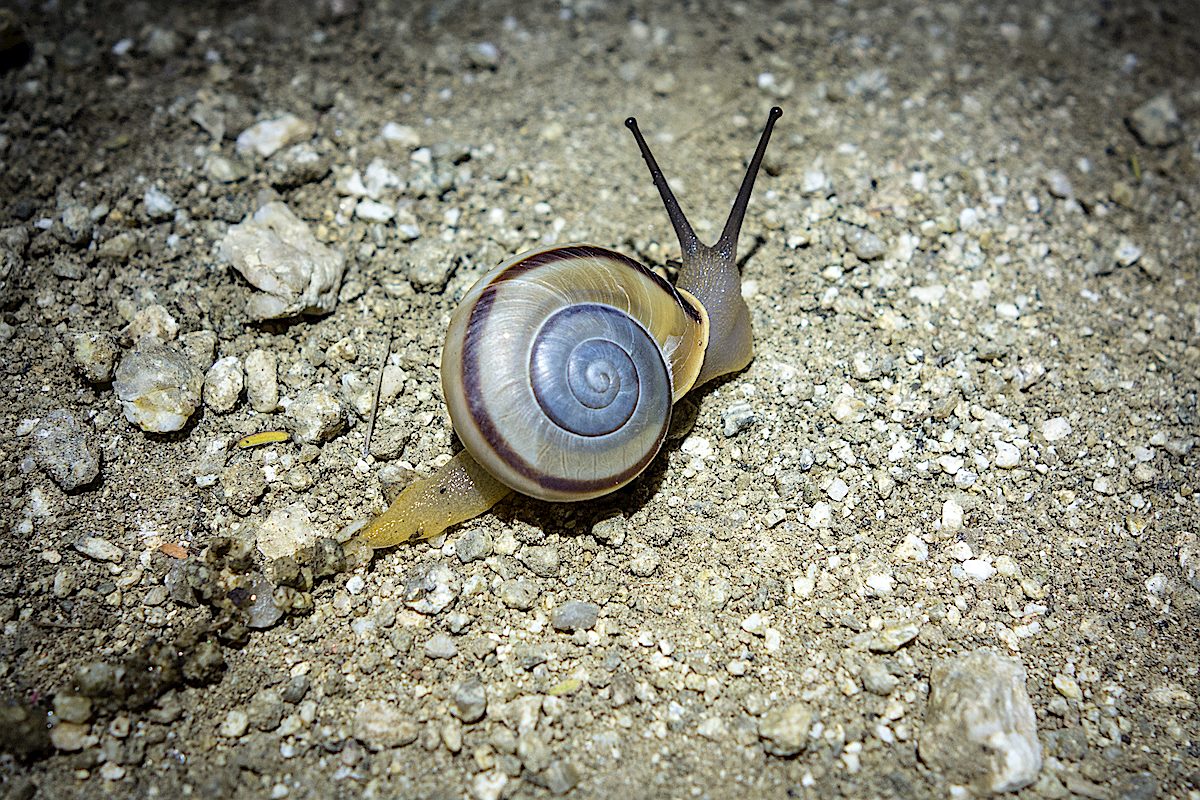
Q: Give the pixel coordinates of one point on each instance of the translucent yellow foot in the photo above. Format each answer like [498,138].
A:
[457,492]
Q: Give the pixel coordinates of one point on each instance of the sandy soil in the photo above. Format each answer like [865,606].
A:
[972,269]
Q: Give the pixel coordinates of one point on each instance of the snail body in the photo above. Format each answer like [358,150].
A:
[561,367]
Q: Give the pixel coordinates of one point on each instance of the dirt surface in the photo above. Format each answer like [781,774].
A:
[970,422]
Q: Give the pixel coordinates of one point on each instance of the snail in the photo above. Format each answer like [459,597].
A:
[561,367]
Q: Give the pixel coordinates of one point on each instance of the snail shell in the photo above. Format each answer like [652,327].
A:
[561,367]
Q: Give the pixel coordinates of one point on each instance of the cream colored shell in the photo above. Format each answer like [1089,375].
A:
[486,366]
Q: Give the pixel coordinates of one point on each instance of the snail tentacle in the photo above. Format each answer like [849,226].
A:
[711,273]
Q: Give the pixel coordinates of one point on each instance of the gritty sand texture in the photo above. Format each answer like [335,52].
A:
[969,426]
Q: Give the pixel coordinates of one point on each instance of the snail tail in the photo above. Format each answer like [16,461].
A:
[457,492]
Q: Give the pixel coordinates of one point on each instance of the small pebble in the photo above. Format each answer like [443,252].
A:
[877,679]
[158,386]
[72,707]
[785,730]
[470,700]
[737,418]
[1055,429]
[99,549]
[223,384]
[270,135]
[980,728]
[235,724]
[316,416]
[1007,455]
[1059,184]
[978,568]
[66,450]
[401,135]
[432,588]
[644,562]
[379,724]
[542,560]
[262,383]
[473,545]
[893,637]
[519,594]
[560,777]
[277,253]
[1068,687]
[864,244]
[1127,253]
[575,615]
[373,211]
[1156,122]
[952,515]
[441,645]
[158,205]
[262,612]
[95,356]
[152,321]
[298,165]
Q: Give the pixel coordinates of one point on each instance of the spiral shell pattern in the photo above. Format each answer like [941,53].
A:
[561,367]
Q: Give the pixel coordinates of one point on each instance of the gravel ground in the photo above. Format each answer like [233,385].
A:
[942,531]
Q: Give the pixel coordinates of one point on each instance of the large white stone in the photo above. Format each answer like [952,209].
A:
[980,729]
[276,252]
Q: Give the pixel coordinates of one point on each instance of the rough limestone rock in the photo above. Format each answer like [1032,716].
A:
[158,385]
[66,450]
[276,252]
[980,728]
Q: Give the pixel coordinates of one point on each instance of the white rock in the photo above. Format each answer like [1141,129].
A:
[950,464]
[235,724]
[881,583]
[837,490]
[154,321]
[95,355]
[381,724]
[980,729]
[1127,253]
[978,568]
[847,408]
[270,135]
[402,135]
[929,295]
[223,384]
[814,181]
[374,211]
[380,178]
[158,204]
[952,515]
[1055,429]
[488,785]
[277,253]
[315,416]
[262,381]
[1007,455]
[820,515]
[159,387]
[912,549]
[286,531]
[99,549]
[66,450]
[1156,122]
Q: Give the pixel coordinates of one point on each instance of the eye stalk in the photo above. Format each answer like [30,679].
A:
[710,273]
